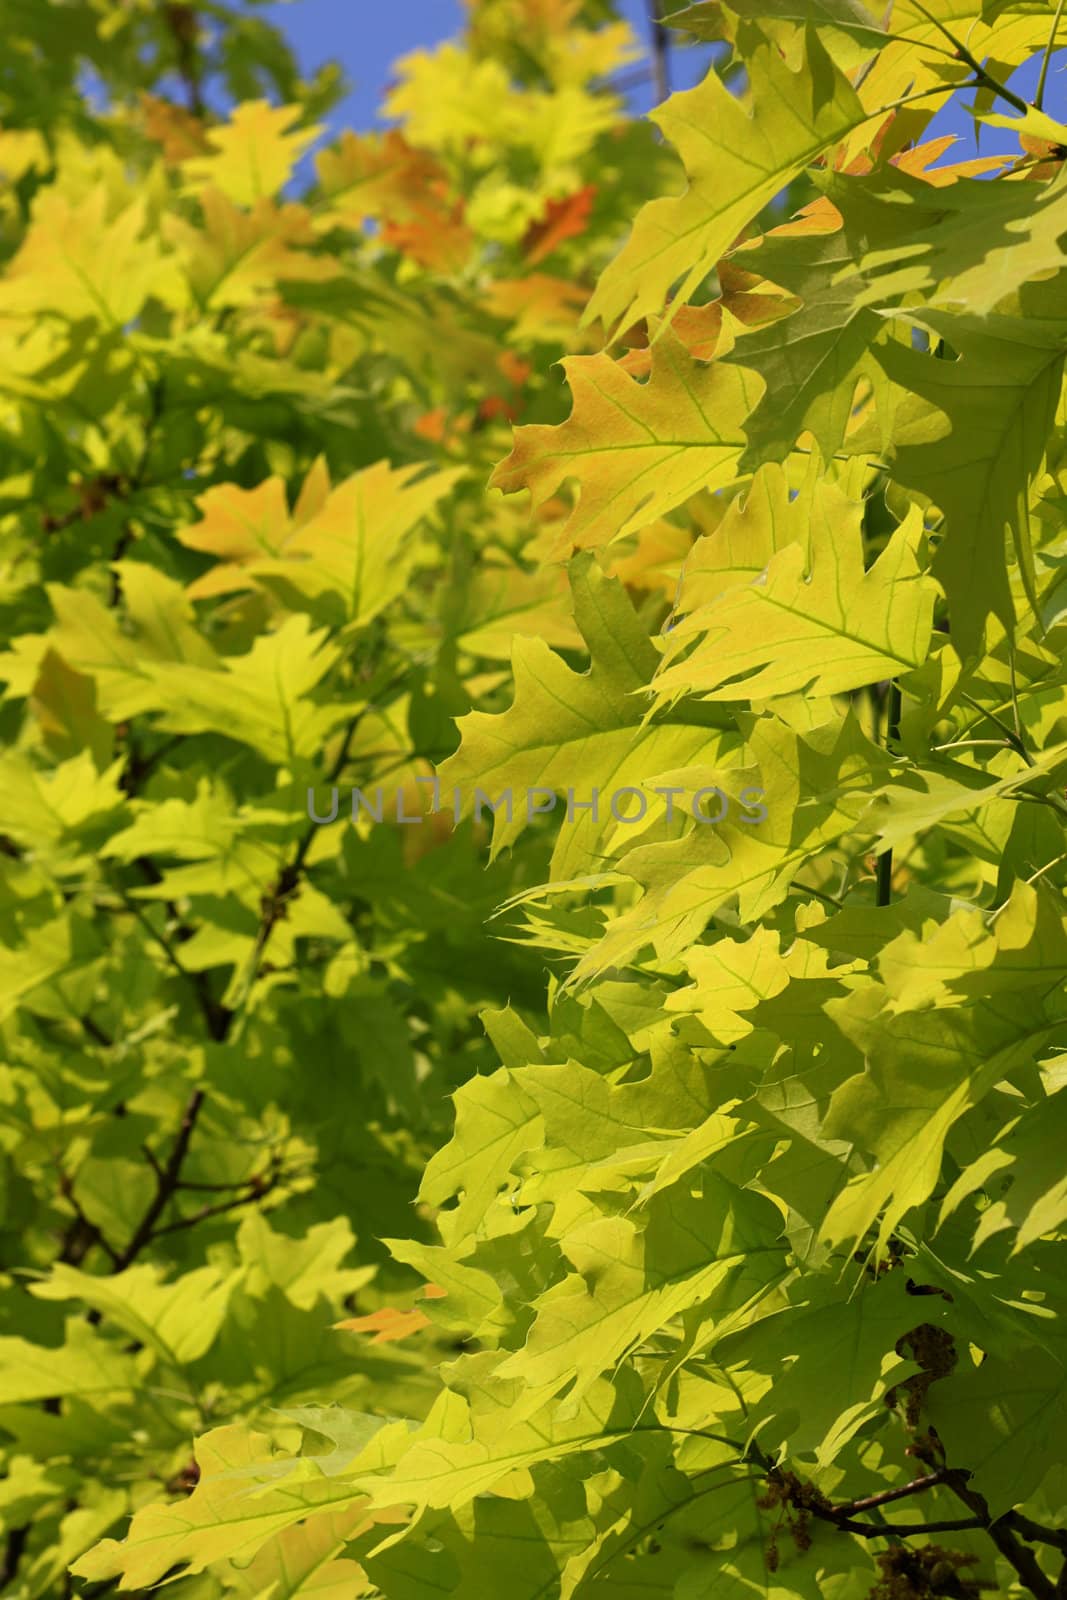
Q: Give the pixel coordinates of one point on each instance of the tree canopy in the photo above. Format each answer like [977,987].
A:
[575,1197]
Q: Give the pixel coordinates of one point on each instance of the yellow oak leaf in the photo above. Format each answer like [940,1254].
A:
[448,97]
[435,235]
[354,543]
[537,308]
[239,254]
[254,155]
[78,262]
[738,154]
[245,525]
[907,65]
[702,329]
[552,34]
[64,704]
[21,150]
[656,561]
[636,450]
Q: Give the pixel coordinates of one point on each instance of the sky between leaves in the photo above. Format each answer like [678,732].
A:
[367,37]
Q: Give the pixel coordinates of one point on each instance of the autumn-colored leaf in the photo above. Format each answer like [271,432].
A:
[387,1325]
[538,308]
[635,450]
[633,905]
[181,134]
[375,176]
[563,219]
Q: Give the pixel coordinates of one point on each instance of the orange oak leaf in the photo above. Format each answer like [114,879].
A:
[179,132]
[700,328]
[374,176]
[387,1325]
[562,219]
[434,235]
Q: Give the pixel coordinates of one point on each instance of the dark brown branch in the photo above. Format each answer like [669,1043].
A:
[122,544]
[181,19]
[16,1544]
[134,482]
[153,1162]
[807,1499]
[166,1183]
[139,767]
[1018,1555]
[94,495]
[219,1019]
[82,1234]
[275,904]
[901,1530]
[661,50]
[1036,1532]
[95,1031]
[221,1206]
[916,1486]
[892,734]
[216,1015]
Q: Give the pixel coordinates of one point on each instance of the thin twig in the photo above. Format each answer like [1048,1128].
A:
[899,1530]
[1039,92]
[136,481]
[215,1210]
[276,900]
[820,894]
[916,1486]
[216,1015]
[82,1233]
[181,19]
[963,54]
[661,48]
[96,1032]
[166,1183]
[1013,738]
[892,734]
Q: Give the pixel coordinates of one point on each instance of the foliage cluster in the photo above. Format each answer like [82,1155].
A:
[342,1253]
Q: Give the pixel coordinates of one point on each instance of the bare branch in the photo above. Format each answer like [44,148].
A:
[166,1184]
[916,1486]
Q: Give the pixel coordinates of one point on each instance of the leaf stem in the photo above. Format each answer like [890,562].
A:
[1039,92]
[1056,861]
[973,744]
[820,894]
[276,900]
[892,734]
[963,54]
[1013,738]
